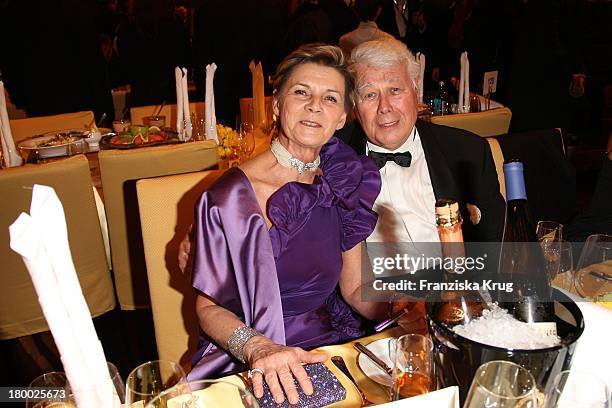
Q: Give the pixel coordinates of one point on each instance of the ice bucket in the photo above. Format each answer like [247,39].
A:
[457,358]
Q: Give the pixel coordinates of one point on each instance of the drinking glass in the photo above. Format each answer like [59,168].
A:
[155,120]
[549,235]
[593,276]
[247,138]
[413,366]
[502,384]
[115,388]
[573,389]
[474,103]
[565,275]
[199,127]
[120,126]
[55,379]
[212,393]
[150,379]
[179,396]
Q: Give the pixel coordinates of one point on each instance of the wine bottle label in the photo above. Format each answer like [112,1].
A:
[548,328]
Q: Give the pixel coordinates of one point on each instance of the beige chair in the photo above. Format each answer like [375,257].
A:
[166,212]
[493,122]
[28,127]
[169,111]
[498,158]
[20,313]
[119,170]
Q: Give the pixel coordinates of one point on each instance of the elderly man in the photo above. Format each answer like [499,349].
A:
[419,161]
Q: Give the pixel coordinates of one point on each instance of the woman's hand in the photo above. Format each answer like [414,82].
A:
[280,364]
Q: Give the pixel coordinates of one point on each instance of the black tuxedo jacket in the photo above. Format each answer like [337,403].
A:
[461,168]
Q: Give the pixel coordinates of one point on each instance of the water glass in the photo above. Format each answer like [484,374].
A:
[502,384]
[565,275]
[55,379]
[150,379]
[114,391]
[549,235]
[412,366]
[247,139]
[573,389]
[549,231]
[593,276]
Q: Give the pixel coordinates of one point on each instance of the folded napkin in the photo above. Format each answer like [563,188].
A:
[259,100]
[445,398]
[178,77]
[209,104]
[186,113]
[464,82]
[420,79]
[41,238]
[9,153]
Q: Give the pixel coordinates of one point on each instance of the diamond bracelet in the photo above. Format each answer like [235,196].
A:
[237,340]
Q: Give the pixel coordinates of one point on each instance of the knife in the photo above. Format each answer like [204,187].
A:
[386,323]
[339,362]
[359,346]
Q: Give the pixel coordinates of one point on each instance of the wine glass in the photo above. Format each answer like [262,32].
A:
[179,396]
[247,139]
[593,277]
[150,379]
[549,235]
[412,367]
[565,275]
[502,384]
[577,389]
[209,393]
[113,391]
[54,379]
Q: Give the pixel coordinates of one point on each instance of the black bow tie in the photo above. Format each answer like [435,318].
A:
[403,159]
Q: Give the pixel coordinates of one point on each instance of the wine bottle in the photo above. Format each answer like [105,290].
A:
[457,306]
[441,100]
[522,261]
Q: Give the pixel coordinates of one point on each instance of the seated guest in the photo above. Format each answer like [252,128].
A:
[272,237]
[419,161]
[368,11]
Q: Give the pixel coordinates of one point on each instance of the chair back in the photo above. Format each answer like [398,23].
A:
[488,123]
[20,313]
[119,171]
[498,158]
[28,127]
[137,113]
[166,213]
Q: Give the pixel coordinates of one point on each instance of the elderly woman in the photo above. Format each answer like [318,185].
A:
[276,240]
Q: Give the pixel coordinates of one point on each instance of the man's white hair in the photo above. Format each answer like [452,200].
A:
[384,53]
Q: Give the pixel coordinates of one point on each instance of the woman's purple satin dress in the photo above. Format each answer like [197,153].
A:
[283,281]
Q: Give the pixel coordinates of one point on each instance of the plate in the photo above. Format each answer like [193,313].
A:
[75,136]
[381,349]
[105,142]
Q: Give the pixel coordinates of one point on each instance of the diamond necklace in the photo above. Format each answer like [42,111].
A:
[285,158]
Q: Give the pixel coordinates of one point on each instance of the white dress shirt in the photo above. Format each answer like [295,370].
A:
[406,203]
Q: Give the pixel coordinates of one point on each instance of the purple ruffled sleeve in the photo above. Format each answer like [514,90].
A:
[355,182]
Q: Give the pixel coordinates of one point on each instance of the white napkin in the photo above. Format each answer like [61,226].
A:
[186,112]
[42,240]
[209,104]
[9,153]
[464,82]
[178,76]
[259,99]
[445,398]
[420,79]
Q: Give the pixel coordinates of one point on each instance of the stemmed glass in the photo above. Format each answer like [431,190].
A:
[207,393]
[565,275]
[593,276]
[55,379]
[412,367]
[247,139]
[151,379]
[502,384]
[573,389]
[550,234]
[114,392]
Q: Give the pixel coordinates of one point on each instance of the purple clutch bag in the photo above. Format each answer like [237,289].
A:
[327,390]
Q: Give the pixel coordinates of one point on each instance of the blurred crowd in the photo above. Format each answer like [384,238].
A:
[66,55]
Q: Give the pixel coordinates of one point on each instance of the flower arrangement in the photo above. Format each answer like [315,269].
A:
[227,137]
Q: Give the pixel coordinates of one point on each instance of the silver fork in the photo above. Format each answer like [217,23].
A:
[339,362]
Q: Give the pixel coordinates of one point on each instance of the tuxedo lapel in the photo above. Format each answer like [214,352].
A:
[442,179]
